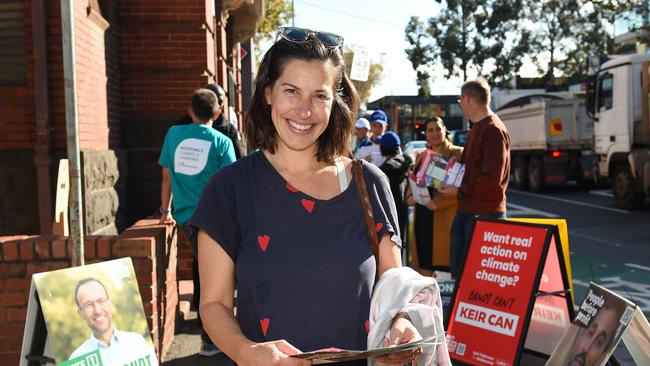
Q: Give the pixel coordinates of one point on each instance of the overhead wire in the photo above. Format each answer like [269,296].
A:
[357,16]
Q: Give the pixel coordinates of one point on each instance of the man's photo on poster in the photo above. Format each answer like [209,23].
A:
[595,331]
[96,309]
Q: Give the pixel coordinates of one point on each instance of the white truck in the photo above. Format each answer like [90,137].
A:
[551,140]
[618,99]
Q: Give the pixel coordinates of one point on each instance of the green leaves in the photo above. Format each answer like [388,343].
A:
[493,37]
[469,34]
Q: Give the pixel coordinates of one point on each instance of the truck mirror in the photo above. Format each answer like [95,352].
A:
[590,98]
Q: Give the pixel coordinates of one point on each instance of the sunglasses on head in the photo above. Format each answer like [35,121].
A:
[294,34]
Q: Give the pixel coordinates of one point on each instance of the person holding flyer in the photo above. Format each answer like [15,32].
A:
[482,192]
[285,228]
[433,221]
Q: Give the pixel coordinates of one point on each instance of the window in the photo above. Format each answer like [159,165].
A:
[13,55]
[605,93]
[454,110]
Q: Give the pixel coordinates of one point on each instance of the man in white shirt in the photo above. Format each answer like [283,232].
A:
[378,124]
[115,347]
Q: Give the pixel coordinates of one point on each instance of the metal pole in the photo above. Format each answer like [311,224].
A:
[293,15]
[72,132]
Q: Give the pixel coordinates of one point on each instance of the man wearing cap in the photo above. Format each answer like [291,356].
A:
[371,153]
[395,166]
[362,129]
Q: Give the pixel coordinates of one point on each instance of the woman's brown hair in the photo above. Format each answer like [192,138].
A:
[335,140]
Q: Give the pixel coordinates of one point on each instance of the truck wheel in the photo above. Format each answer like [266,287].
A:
[520,173]
[624,193]
[536,174]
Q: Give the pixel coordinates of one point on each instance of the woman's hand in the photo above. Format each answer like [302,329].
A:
[402,331]
[274,353]
[410,200]
[432,206]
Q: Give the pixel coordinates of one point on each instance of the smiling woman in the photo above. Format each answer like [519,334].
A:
[287,224]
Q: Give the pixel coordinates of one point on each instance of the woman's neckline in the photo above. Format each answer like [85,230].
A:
[280,179]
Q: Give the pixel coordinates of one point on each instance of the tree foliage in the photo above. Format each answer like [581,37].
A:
[571,31]
[419,53]
[276,13]
[470,34]
[364,88]
[493,37]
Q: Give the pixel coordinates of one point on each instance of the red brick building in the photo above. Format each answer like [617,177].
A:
[137,63]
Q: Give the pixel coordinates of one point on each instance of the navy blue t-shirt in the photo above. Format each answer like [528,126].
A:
[304,267]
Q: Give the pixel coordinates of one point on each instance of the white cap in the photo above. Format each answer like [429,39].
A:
[362,123]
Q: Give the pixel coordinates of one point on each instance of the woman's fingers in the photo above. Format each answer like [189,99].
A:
[286,348]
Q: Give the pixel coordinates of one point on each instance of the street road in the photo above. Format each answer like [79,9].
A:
[608,245]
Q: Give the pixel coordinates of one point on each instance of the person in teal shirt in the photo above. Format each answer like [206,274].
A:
[190,155]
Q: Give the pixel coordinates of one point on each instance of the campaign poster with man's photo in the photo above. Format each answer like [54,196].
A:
[94,315]
[595,331]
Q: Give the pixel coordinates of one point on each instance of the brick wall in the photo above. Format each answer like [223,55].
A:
[157,41]
[152,248]
[164,56]
[16,102]
[90,60]
[185,258]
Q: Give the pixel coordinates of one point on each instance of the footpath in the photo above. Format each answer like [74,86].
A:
[187,341]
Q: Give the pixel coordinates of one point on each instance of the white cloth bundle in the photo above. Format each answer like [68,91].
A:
[404,290]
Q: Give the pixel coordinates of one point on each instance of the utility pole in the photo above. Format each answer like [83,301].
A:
[72,132]
[293,15]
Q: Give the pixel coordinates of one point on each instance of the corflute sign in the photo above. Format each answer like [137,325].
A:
[495,295]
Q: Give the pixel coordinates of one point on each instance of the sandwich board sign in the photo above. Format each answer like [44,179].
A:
[87,316]
[512,293]
[563,230]
[602,320]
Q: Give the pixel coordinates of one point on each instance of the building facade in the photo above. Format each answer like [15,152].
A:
[137,63]
[407,113]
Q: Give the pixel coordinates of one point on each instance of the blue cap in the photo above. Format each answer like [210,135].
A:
[379,116]
[390,140]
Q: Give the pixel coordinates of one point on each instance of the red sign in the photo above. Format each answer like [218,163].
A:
[494,296]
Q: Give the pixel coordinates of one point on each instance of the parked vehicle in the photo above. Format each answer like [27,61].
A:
[458,137]
[617,99]
[412,148]
[551,141]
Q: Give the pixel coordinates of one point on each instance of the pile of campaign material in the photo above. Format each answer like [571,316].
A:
[434,171]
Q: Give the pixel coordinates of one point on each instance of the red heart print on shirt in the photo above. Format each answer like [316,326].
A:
[367,326]
[291,188]
[265,325]
[309,204]
[378,226]
[263,241]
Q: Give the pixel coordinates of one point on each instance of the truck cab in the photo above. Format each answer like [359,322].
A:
[617,100]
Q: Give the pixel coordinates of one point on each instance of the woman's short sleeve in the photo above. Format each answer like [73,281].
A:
[383,204]
[216,212]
